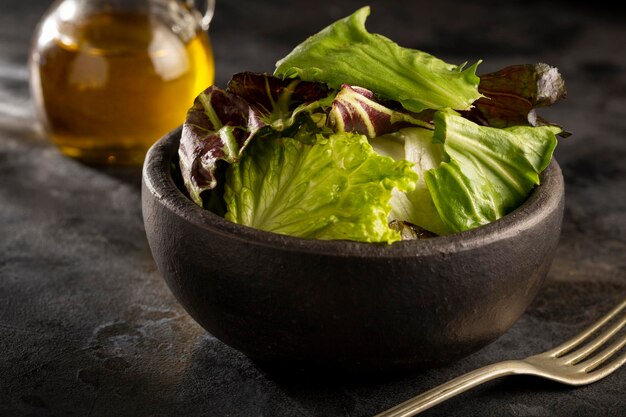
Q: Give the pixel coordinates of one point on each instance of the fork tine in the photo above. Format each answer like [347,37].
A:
[571,344]
[592,363]
[602,372]
[576,356]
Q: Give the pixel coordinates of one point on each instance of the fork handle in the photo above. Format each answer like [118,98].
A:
[454,387]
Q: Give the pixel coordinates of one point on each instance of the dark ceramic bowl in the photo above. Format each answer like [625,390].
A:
[347,305]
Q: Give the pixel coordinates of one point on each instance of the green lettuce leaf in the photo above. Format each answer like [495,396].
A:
[346,53]
[336,188]
[416,207]
[490,171]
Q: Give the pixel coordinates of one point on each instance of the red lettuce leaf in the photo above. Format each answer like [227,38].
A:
[512,94]
[217,127]
[221,123]
[356,109]
[273,97]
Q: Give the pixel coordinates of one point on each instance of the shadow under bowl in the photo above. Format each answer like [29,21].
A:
[344,305]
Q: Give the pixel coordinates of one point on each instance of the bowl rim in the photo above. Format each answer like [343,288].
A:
[158,181]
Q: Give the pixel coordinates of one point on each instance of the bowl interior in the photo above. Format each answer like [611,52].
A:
[162,179]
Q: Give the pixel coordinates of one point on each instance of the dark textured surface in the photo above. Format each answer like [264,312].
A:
[348,305]
[88,327]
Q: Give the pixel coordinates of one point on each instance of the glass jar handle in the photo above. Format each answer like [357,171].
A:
[208,13]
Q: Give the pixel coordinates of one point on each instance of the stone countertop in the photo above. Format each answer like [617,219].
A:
[88,327]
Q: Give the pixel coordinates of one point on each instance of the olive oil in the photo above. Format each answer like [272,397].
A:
[111,84]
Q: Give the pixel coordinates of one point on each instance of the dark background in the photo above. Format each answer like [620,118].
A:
[88,327]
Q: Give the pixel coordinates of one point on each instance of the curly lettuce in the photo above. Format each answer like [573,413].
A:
[490,171]
[346,53]
[337,188]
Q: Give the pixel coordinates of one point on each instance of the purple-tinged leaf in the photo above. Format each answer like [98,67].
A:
[221,123]
[356,109]
[218,126]
[275,98]
[512,94]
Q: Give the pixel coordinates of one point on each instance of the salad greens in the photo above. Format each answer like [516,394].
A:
[355,109]
[357,138]
[490,171]
[336,188]
[346,53]
[511,95]
[417,146]
[221,123]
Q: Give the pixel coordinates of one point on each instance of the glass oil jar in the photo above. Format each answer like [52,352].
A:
[109,78]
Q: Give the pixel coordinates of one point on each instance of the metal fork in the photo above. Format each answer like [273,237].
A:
[575,362]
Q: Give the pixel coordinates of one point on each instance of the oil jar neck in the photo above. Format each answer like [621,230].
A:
[207,9]
[183,18]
